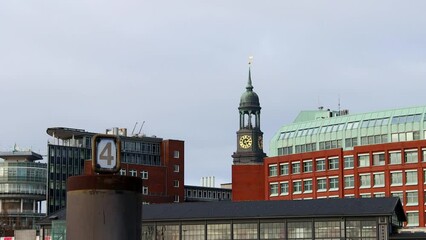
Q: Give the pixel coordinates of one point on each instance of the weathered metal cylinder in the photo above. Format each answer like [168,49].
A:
[104,207]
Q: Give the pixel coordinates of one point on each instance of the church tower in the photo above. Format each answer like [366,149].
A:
[249,135]
[248,181]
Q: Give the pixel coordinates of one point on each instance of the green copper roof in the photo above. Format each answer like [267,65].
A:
[249,99]
[318,127]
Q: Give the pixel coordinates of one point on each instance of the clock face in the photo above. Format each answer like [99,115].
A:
[260,142]
[245,141]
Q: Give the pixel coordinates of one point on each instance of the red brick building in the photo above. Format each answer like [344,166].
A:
[159,162]
[334,154]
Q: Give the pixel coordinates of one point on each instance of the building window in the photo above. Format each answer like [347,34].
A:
[379,179]
[144,174]
[123,172]
[295,167]
[176,168]
[395,157]
[321,185]
[333,183]
[175,154]
[284,188]
[133,173]
[145,190]
[378,159]
[349,162]
[333,163]
[307,185]
[351,142]
[365,181]
[271,230]
[273,189]
[284,169]
[189,231]
[273,170]
[424,155]
[412,198]
[365,195]
[413,219]
[176,198]
[379,195]
[349,181]
[396,178]
[320,165]
[244,231]
[299,230]
[307,166]
[399,195]
[411,156]
[363,160]
[327,230]
[175,183]
[411,177]
[219,231]
[297,186]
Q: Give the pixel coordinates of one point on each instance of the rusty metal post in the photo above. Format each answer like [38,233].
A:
[104,207]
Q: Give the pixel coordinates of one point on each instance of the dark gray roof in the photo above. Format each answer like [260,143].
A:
[346,207]
[27,155]
[58,215]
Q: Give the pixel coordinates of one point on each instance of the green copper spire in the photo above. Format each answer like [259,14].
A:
[249,99]
[249,85]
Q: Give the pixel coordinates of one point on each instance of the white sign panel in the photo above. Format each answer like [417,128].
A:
[106,154]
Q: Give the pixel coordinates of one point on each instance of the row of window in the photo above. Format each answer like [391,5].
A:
[351,142]
[330,144]
[141,159]
[141,147]
[351,125]
[207,194]
[368,180]
[332,163]
[270,229]
[373,139]
[134,173]
[143,174]
[296,167]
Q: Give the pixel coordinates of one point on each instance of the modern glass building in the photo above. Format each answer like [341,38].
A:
[22,189]
[324,129]
[160,163]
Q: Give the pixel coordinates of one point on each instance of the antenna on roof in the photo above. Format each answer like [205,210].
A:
[140,130]
[320,107]
[338,103]
[133,131]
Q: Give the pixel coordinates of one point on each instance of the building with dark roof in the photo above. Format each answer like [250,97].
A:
[376,218]
[160,163]
[334,154]
[22,190]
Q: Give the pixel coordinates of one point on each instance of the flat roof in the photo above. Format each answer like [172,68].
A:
[318,208]
[67,133]
[27,155]
[339,207]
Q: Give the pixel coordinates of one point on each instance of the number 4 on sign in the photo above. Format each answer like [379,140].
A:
[106,154]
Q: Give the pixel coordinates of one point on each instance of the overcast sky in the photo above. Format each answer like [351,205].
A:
[181,66]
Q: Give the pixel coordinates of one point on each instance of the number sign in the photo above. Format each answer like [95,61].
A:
[106,153]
